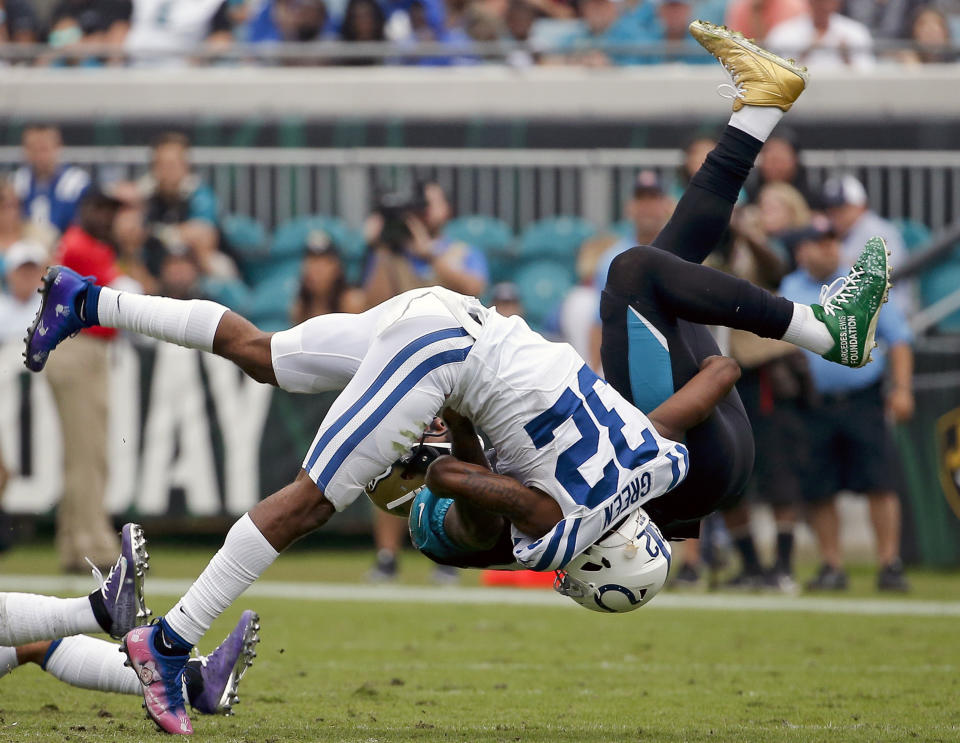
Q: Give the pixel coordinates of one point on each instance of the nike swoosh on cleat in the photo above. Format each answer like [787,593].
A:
[123,574]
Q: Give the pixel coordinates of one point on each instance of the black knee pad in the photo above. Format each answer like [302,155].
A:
[632,269]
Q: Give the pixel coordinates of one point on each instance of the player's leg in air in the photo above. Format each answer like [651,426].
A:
[657,300]
[211,681]
[115,608]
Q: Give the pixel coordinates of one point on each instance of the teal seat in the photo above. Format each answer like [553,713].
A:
[290,239]
[556,237]
[245,237]
[491,235]
[266,269]
[232,293]
[270,301]
[915,234]
[939,281]
[543,285]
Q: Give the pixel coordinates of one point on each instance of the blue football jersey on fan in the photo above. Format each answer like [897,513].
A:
[54,201]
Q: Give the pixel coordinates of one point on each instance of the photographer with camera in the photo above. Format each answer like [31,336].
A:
[407,249]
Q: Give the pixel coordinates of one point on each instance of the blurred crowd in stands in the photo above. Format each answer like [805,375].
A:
[818,33]
[165,234]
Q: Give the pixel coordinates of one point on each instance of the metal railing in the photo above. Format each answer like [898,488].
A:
[518,186]
[336,52]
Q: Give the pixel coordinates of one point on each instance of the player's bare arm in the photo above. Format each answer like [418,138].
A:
[477,487]
[470,525]
[693,403]
[240,341]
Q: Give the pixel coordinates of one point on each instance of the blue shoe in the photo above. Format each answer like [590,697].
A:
[161,677]
[57,317]
[121,603]
[224,667]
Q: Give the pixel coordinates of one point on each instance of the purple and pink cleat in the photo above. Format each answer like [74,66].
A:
[210,682]
[161,677]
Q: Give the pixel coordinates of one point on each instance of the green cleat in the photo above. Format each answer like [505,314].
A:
[850,306]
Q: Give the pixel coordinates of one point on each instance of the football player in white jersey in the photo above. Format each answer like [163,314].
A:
[561,433]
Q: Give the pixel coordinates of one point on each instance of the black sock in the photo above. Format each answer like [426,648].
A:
[100,611]
[167,642]
[748,553]
[193,680]
[785,551]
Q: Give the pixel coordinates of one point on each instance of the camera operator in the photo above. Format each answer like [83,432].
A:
[407,249]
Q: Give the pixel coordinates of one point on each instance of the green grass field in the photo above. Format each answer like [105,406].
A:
[403,671]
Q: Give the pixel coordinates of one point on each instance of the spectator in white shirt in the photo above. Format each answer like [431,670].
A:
[824,38]
[23,265]
[165,32]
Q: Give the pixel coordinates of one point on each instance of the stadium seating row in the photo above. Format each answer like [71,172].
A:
[540,261]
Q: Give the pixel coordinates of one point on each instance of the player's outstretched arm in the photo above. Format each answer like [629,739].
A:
[694,402]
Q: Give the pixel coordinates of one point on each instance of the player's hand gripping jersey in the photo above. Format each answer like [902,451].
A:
[555,425]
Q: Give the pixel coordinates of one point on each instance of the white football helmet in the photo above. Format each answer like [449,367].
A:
[621,572]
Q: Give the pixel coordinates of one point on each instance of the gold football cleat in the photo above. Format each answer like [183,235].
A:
[760,78]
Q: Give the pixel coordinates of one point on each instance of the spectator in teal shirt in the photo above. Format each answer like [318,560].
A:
[181,210]
[669,25]
[603,30]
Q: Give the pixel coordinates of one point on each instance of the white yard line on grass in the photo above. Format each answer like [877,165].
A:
[77,585]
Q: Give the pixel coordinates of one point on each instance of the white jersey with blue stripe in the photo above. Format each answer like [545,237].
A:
[559,428]
[555,425]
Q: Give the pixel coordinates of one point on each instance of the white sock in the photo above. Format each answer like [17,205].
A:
[245,554]
[807,331]
[29,617]
[757,121]
[191,322]
[90,663]
[8,660]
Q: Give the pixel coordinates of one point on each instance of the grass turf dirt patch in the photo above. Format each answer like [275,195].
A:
[393,673]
